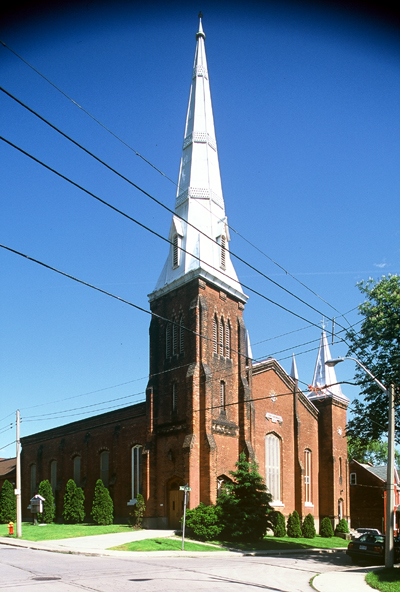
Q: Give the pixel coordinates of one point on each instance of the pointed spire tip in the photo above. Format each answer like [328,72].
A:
[200,32]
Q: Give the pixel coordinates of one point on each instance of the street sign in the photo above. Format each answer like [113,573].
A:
[185,488]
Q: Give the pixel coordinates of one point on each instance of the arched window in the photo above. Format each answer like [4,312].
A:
[340,471]
[223,252]
[174,398]
[307,476]
[222,395]
[168,340]
[104,467]
[340,509]
[228,340]
[221,337]
[215,335]
[33,480]
[175,334]
[273,465]
[136,470]
[222,480]
[181,335]
[53,475]
[77,470]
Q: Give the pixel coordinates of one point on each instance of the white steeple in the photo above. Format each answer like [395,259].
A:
[293,371]
[199,231]
[325,376]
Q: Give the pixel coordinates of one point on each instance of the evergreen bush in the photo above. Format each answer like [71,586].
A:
[103,507]
[278,524]
[326,529]
[49,509]
[342,526]
[294,525]
[244,503]
[136,515]
[308,528]
[204,522]
[74,503]
[8,504]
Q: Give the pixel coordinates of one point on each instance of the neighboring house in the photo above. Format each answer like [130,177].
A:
[206,401]
[7,470]
[367,495]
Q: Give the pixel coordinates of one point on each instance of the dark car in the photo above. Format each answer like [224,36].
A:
[370,547]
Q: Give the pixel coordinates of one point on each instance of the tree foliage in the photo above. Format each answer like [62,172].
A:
[8,506]
[374,451]
[103,507]
[326,529]
[204,522]
[294,525]
[278,524]
[376,345]
[308,528]
[136,514]
[244,503]
[74,503]
[342,526]
[49,509]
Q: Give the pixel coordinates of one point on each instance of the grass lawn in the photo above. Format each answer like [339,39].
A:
[267,544]
[386,580]
[62,531]
[271,543]
[167,544]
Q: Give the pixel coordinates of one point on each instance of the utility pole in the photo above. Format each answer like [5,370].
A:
[18,482]
[389,550]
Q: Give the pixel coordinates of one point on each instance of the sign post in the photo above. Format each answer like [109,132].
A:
[184,488]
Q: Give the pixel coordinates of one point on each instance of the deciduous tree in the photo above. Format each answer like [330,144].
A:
[376,345]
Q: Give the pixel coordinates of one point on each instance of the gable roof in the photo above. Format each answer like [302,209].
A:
[378,471]
[7,466]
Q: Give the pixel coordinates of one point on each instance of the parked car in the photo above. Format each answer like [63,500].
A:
[371,547]
[361,531]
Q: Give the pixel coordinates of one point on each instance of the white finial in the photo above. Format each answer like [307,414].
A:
[293,372]
[200,32]
[249,353]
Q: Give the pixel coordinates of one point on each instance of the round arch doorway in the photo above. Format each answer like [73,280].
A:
[175,505]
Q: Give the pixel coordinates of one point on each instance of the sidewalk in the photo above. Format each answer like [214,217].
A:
[99,545]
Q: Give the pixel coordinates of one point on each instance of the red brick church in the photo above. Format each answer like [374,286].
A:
[205,401]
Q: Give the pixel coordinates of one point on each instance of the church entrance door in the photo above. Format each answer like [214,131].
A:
[175,507]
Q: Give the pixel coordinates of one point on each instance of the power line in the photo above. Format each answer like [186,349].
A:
[87,112]
[158,170]
[253,268]
[117,210]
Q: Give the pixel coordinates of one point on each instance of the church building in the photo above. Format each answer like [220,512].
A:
[206,401]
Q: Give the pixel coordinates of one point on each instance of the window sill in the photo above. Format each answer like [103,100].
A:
[308,505]
[131,502]
[277,504]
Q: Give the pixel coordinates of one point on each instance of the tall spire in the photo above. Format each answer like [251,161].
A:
[325,376]
[199,232]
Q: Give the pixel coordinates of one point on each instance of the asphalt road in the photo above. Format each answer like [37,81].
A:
[26,570]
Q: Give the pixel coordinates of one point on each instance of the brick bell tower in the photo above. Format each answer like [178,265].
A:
[198,409]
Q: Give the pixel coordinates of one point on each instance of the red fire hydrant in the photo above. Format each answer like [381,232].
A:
[11,528]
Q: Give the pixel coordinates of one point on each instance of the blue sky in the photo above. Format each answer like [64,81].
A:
[306,104]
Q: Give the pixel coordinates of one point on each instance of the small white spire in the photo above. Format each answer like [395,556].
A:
[249,353]
[325,383]
[293,372]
